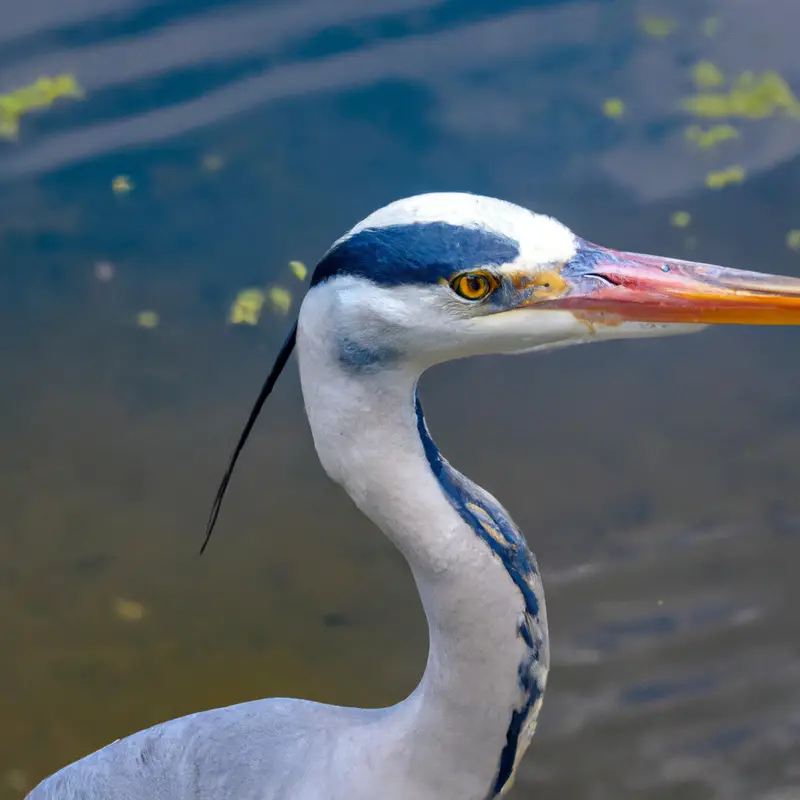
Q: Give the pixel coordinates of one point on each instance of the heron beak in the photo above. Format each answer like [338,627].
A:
[642,288]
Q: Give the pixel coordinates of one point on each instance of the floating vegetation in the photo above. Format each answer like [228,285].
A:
[658,27]
[281,299]
[613,107]
[680,219]
[246,308]
[793,240]
[707,75]
[751,97]
[128,610]
[42,93]
[147,319]
[725,177]
[122,184]
[212,163]
[710,26]
[299,270]
[706,139]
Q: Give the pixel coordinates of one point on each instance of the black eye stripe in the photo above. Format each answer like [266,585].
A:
[415,253]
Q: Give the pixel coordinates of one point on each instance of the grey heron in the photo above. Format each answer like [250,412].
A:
[421,281]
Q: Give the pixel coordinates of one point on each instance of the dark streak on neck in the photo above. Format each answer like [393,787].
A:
[508,545]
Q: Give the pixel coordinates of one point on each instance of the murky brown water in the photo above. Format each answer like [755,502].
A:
[657,481]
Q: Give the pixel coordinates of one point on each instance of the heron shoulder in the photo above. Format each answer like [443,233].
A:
[248,751]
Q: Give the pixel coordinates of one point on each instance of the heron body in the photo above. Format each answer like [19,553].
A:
[425,280]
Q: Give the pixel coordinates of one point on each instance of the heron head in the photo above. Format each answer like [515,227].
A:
[443,276]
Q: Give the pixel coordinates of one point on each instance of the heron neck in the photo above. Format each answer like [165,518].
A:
[462,731]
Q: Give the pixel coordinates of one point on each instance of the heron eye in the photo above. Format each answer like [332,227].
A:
[474,285]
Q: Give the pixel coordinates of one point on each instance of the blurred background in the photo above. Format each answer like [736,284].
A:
[168,171]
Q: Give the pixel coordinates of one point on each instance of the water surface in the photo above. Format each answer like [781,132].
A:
[215,142]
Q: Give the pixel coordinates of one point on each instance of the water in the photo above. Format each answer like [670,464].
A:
[656,480]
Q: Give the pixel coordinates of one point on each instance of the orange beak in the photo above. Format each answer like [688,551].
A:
[644,288]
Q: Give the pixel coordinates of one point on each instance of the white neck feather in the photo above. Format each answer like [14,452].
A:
[448,736]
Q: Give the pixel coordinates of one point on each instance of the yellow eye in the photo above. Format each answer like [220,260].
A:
[474,285]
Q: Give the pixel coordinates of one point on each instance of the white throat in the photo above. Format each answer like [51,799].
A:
[463,730]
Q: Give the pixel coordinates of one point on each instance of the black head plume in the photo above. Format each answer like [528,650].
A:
[266,389]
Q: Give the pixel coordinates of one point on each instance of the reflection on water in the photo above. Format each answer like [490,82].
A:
[214,144]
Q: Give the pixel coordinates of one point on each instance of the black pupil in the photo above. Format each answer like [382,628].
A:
[475,284]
